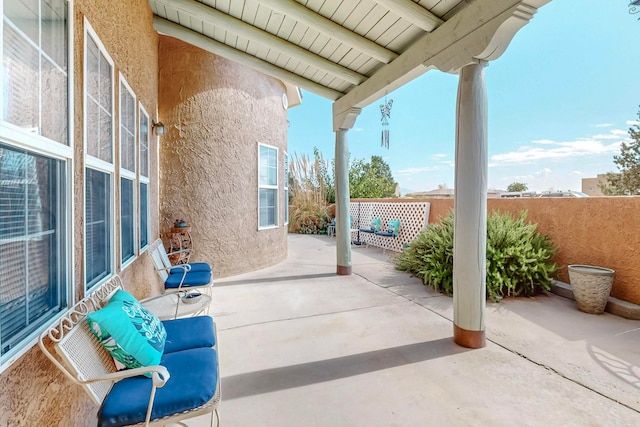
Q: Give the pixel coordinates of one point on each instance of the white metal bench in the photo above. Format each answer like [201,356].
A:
[82,359]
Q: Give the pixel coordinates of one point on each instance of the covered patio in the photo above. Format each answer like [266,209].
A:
[301,346]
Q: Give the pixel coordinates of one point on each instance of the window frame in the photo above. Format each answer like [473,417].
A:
[275,187]
[17,134]
[95,163]
[142,179]
[16,137]
[126,173]
[285,185]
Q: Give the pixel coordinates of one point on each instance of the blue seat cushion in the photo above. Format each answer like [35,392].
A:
[193,382]
[367,230]
[193,278]
[384,233]
[195,267]
[190,332]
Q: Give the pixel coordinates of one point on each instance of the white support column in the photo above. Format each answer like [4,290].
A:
[343,230]
[470,228]
[341,124]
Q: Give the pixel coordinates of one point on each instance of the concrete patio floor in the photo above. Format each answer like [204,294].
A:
[301,346]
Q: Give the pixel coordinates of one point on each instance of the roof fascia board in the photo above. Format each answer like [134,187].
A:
[480,31]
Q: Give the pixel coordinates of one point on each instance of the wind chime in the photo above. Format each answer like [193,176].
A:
[385,111]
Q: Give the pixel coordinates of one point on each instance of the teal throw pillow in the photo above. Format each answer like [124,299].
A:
[375,224]
[121,295]
[393,226]
[129,332]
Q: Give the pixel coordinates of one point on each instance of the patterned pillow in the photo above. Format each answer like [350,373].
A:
[129,332]
[393,226]
[375,224]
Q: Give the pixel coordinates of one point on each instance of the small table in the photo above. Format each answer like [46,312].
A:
[164,306]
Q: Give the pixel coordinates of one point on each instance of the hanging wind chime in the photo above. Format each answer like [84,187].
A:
[385,111]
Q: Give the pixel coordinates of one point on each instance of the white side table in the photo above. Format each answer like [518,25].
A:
[164,306]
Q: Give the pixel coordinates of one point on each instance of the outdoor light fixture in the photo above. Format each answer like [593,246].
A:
[158,128]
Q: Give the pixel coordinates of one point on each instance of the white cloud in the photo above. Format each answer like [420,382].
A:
[614,134]
[575,173]
[526,178]
[438,156]
[633,122]
[604,125]
[543,141]
[557,150]
[411,171]
[357,129]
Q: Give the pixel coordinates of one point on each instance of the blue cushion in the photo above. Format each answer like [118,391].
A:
[375,224]
[384,233]
[195,267]
[129,332]
[190,332]
[195,278]
[193,382]
[366,230]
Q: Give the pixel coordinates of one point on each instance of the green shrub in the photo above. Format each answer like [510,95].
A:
[518,257]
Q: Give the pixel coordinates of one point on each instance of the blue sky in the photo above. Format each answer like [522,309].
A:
[561,99]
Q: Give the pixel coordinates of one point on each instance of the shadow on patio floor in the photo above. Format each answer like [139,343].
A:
[269,380]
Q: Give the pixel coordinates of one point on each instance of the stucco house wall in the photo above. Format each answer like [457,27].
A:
[204,170]
[216,113]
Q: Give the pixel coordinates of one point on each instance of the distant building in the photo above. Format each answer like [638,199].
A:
[591,186]
[442,192]
[448,193]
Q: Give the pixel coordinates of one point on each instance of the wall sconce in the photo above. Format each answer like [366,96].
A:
[158,128]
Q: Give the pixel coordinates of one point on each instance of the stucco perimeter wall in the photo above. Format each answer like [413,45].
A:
[601,231]
[33,393]
[216,112]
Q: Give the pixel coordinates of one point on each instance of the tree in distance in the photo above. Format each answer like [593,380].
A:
[627,181]
[371,180]
[517,186]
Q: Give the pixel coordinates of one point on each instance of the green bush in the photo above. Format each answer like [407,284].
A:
[518,257]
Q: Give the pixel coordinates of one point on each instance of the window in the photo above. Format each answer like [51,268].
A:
[98,226]
[267,187]
[35,67]
[98,127]
[144,177]
[33,260]
[286,189]
[127,172]
[35,168]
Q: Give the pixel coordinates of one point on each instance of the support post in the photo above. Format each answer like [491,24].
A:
[342,122]
[470,226]
[343,230]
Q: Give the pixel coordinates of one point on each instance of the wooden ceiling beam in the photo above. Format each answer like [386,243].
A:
[412,12]
[194,38]
[255,35]
[297,12]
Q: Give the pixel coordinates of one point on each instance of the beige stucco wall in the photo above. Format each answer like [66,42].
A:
[602,231]
[32,391]
[216,112]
